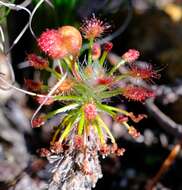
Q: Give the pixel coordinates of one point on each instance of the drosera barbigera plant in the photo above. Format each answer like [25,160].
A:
[82,90]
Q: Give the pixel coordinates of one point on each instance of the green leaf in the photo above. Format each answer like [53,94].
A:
[101,123]
[111,108]
[122,62]
[67,98]
[81,123]
[61,110]
[105,109]
[109,94]
[69,127]
[100,133]
[56,74]
[66,132]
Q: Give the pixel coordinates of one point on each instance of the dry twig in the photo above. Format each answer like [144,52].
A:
[165,166]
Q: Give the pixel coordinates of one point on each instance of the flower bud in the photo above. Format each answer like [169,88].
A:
[60,43]
[136,93]
[66,86]
[43,152]
[51,43]
[144,71]
[90,111]
[72,39]
[137,118]
[37,62]
[56,148]
[33,85]
[78,142]
[96,51]
[94,28]
[133,132]
[105,80]
[121,118]
[131,55]
[104,149]
[37,122]
[120,151]
[108,46]
[40,100]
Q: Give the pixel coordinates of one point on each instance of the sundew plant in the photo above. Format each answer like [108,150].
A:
[84,83]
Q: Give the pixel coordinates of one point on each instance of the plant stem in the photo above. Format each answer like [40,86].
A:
[66,98]
[74,68]
[100,133]
[165,166]
[56,74]
[66,132]
[111,108]
[109,94]
[61,110]
[103,58]
[55,136]
[90,51]
[122,62]
[81,124]
[101,122]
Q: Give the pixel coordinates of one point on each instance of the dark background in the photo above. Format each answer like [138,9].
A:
[149,26]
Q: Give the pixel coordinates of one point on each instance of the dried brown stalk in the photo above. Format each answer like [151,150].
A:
[165,166]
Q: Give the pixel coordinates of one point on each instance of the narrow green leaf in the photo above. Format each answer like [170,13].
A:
[67,98]
[66,132]
[109,94]
[111,108]
[105,109]
[81,123]
[122,62]
[101,123]
[61,110]
[56,74]
[100,133]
